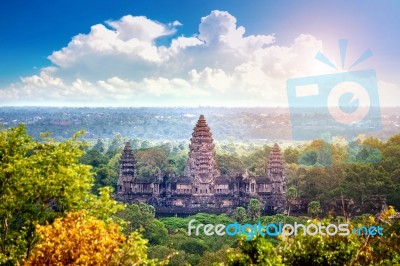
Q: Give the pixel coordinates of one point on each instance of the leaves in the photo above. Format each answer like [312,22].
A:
[76,239]
[254,209]
[40,181]
[314,208]
[81,239]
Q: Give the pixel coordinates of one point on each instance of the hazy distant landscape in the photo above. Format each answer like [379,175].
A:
[249,125]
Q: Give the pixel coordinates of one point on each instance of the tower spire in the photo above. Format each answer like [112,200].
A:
[127,169]
[276,173]
[201,165]
[276,163]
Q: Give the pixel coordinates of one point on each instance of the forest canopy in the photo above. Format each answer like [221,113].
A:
[57,204]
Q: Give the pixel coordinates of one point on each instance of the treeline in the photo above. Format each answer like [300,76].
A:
[50,216]
[359,175]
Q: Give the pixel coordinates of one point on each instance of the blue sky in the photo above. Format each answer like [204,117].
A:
[168,53]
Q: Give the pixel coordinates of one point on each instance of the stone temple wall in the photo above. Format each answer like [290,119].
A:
[202,188]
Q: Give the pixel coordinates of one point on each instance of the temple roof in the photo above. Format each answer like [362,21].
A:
[128,152]
[127,165]
[275,159]
[201,164]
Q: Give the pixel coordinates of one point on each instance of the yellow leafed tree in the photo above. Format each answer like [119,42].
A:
[80,239]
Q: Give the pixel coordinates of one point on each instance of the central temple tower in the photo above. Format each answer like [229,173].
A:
[201,166]
[202,188]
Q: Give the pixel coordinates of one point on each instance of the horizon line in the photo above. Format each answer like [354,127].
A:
[177,106]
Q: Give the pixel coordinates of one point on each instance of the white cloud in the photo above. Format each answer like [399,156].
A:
[212,79]
[140,28]
[219,28]
[121,62]
[389,94]
[175,23]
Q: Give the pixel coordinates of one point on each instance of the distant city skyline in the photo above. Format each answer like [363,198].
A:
[187,53]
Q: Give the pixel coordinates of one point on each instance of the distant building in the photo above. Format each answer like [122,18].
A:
[202,188]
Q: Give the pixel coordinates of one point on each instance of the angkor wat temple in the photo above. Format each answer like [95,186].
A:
[202,188]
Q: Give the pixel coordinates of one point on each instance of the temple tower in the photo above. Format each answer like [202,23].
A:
[127,170]
[201,166]
[276,173]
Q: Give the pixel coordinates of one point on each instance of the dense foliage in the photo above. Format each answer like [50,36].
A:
[39,183]
[326,249]
[79,239]
[57,205]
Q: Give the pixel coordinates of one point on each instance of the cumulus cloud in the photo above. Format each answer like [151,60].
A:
[219,28]
[175,23]
[389,93]
[131,37]
[121,62]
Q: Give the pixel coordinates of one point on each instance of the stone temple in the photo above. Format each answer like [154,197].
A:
[202,188]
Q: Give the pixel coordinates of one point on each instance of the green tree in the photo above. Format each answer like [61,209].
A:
[166,253]
[94,158]
[363,180]
[317,154]
[99,146]
[314,208]
[105,176]
[351,249]
[391,154]
[239,214]
[254,209]
[393,196]
[257,251]
[142,217]
[151,162]
[177,162]
[319,250]
[210,258]
[369,151]
[229,164]
[308,158]
[291,196]
[115,145]
[40,181]
[291,155]
[256,161]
